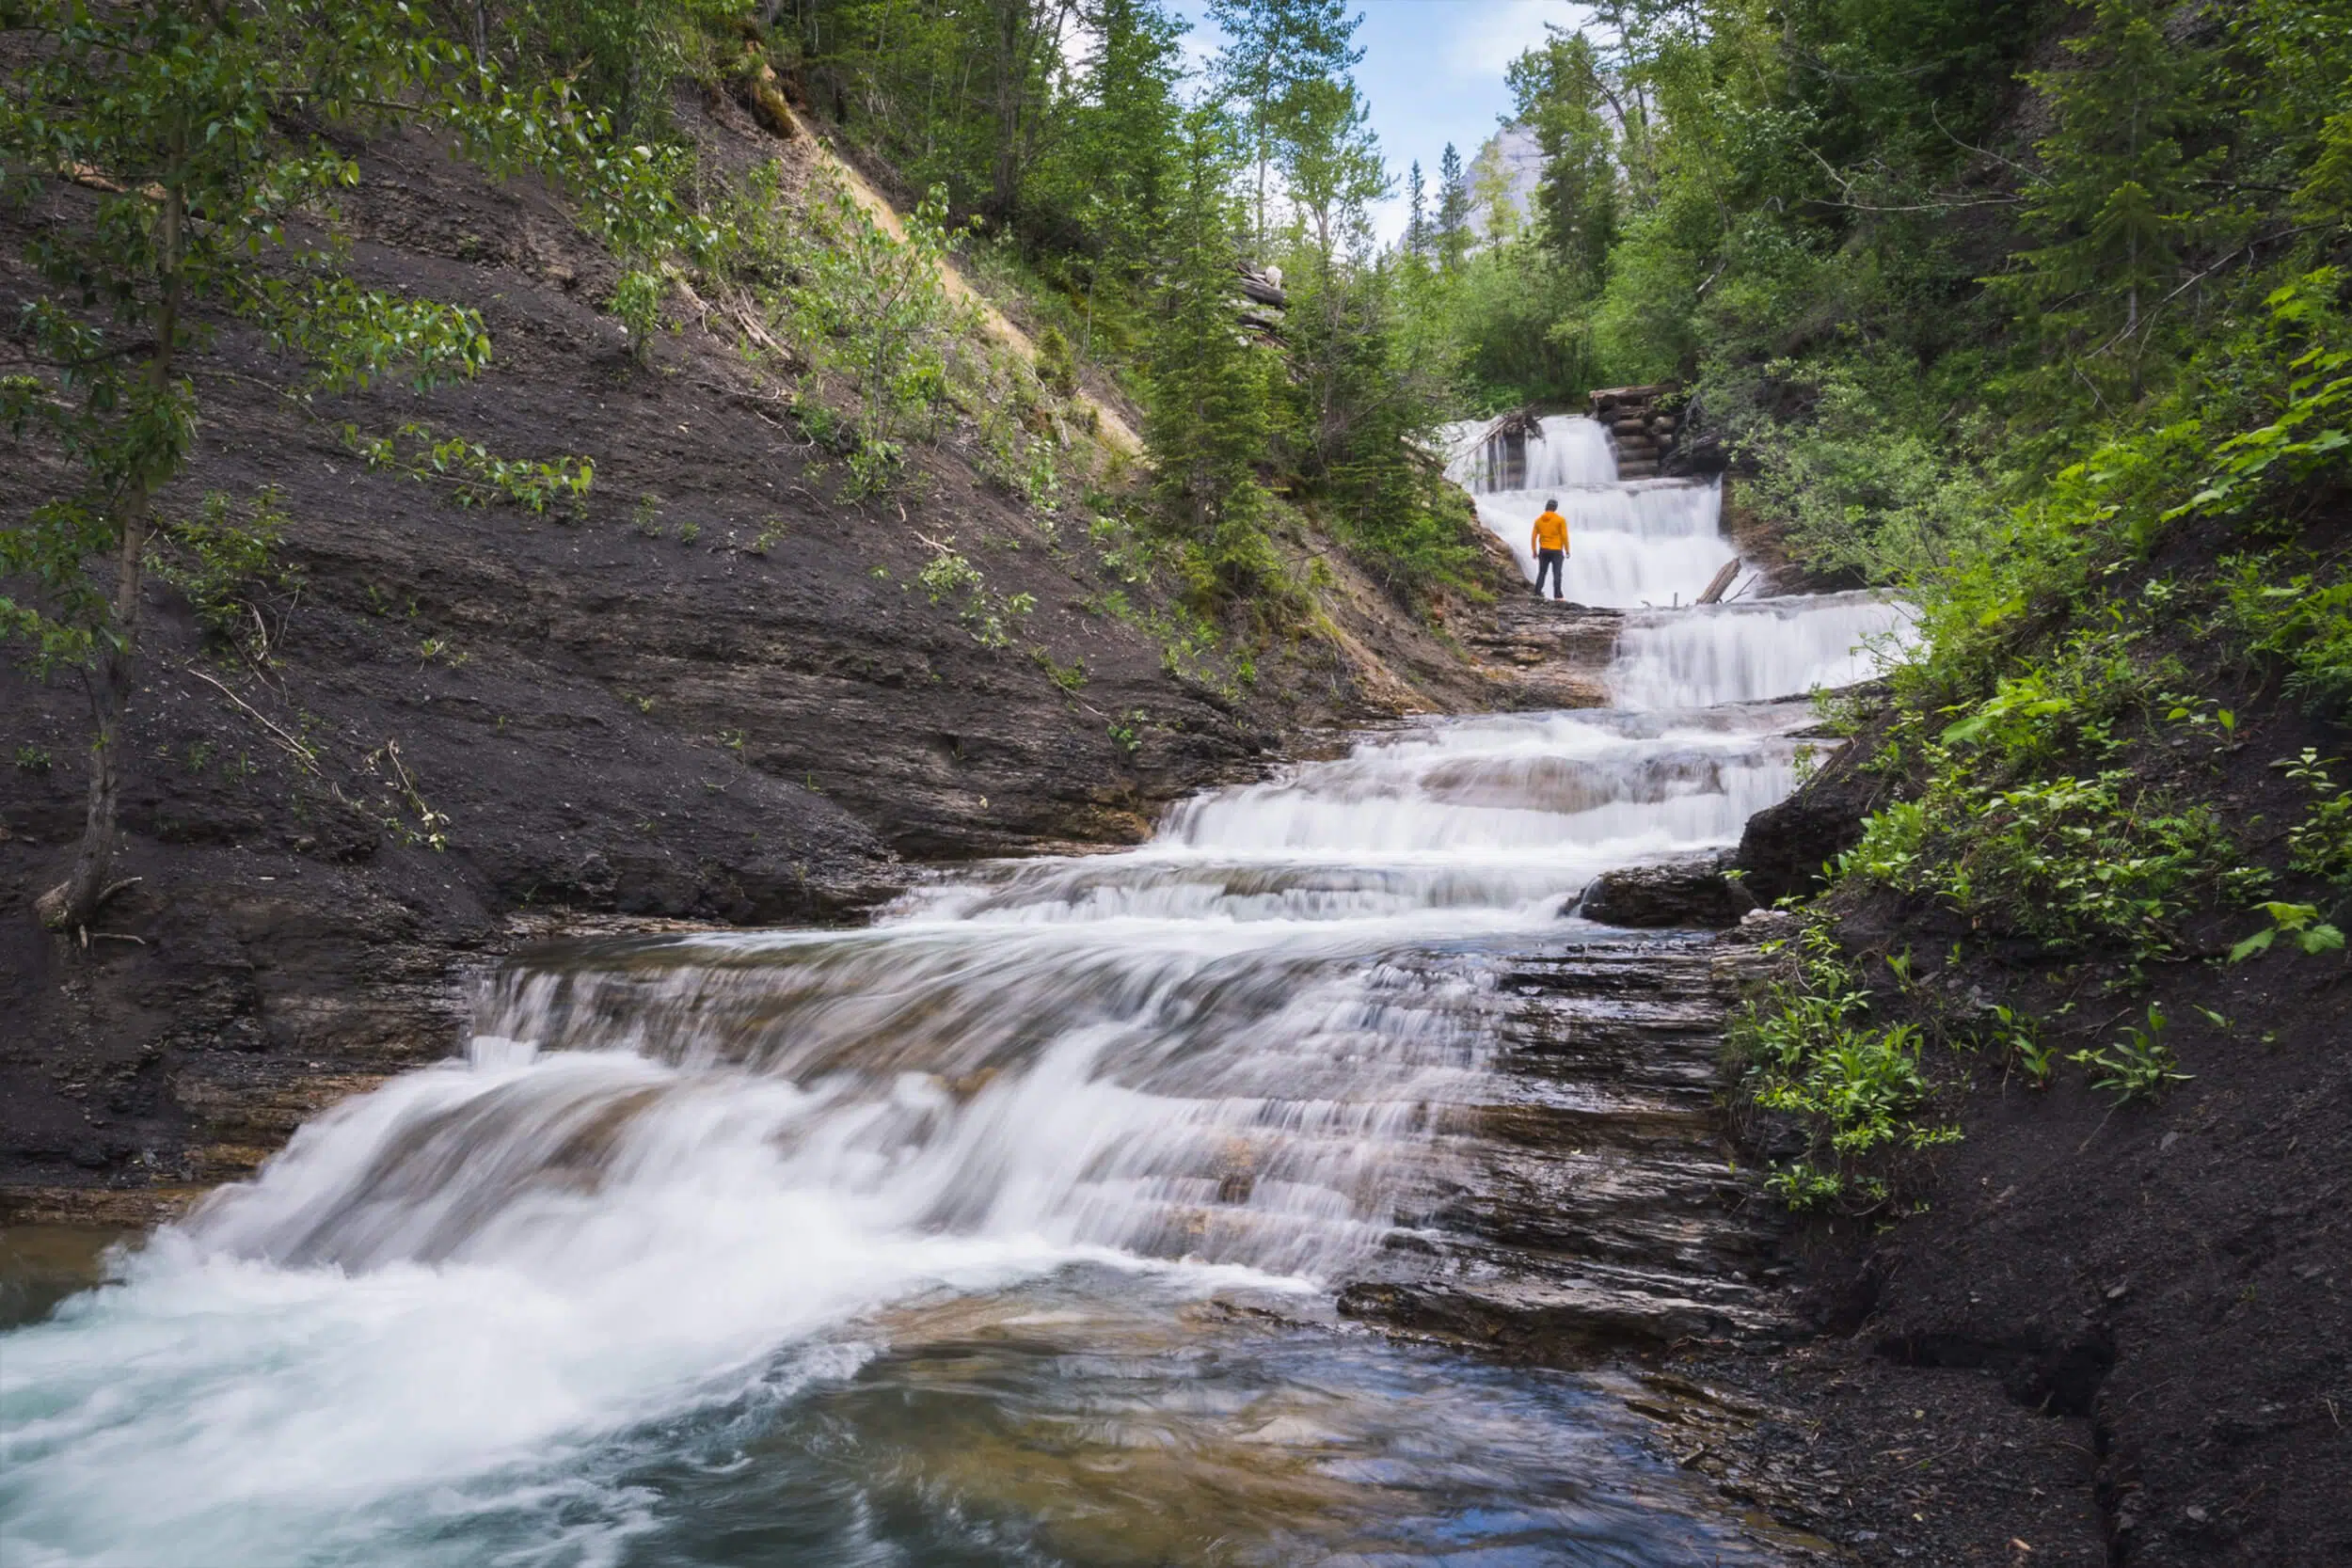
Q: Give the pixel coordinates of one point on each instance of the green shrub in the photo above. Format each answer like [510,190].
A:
[476,477]
[2320,845]
[637,300]
[1808,1047]
[875,313]
[2140,1064]
[220,556]
[1056,367]
[994,619]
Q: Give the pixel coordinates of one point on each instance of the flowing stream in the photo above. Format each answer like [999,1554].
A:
[1003,1232]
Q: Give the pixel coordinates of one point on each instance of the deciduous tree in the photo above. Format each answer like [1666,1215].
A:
[155,140]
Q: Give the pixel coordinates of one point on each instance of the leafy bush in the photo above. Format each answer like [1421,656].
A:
[637,300]
[2301,923]
[2138,1065]
[218,557]
[475,476]
[994,619]
[1865,483]
[1807,1046]
[876,312]
[621,55]
[2320,845]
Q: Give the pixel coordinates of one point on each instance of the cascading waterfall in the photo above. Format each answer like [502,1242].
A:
[1630,543]
[1753,649]
[907,1245]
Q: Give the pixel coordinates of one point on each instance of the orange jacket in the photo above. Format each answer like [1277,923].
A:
[1551,532]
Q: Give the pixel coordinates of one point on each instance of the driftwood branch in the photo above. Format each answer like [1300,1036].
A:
[1722,580]
[303,753]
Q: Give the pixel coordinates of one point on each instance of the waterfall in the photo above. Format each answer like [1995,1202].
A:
[1643,542]
[1754,649]
[671,1246]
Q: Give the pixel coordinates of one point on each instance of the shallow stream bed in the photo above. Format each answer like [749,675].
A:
[1009,1230]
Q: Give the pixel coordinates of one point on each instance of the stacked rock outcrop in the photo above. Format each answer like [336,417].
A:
[1643,429]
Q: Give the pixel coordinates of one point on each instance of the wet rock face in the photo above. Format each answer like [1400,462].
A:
[1692,894]
[1786,845]
[715,690]
[1602,1208]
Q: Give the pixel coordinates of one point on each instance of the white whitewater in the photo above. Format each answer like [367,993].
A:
[1754,649]
[1643,542]
[658,1253]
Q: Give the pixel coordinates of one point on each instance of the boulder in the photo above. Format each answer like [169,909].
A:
[1692,892]
[1785,847]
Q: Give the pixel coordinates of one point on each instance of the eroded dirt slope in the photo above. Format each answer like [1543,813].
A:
[718,694]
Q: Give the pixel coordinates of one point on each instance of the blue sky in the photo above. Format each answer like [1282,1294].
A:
[1432,71]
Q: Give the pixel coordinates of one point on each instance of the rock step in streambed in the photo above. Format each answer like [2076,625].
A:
[1603,1207]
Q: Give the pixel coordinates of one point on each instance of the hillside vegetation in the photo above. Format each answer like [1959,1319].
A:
[2038,316]
[2035,313]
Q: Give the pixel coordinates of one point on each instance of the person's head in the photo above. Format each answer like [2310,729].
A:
[1553,505]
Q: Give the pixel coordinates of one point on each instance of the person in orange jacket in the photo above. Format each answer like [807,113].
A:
[1550,543]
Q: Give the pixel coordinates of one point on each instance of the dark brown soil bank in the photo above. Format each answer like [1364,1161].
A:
[719,695]
[2116,1333]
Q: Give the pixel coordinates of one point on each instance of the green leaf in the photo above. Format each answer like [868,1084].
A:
[2259,942]
[2320,939]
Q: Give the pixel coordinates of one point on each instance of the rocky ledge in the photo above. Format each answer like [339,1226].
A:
[1695,892]
[1545,653]
[1603,1208]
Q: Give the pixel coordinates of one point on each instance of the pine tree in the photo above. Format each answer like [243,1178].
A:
[1417,210]
[1387,388]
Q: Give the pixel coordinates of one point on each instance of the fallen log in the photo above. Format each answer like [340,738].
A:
[1722,580]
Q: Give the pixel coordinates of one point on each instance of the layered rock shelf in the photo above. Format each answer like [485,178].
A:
[1545,653]
[1642,428]
[1602,1208]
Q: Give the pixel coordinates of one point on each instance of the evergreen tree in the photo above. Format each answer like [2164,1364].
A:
[1206,399]
[2116,208]
[1101,187]
[1387,388]
[1453,208]
[1558,93]
[1417,210]
[1332,170]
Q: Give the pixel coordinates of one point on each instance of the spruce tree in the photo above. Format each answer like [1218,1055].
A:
[1205,398]
[1559,98]
[2117,208]
[1454,207]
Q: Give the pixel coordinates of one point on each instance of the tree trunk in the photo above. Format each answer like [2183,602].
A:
[72,904]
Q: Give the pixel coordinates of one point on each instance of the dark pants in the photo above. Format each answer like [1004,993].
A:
[1548,561]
